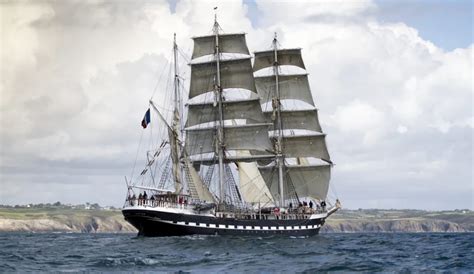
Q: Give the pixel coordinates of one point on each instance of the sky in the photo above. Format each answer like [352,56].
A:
[393,82]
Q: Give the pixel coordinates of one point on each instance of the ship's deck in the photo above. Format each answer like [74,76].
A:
[230,213]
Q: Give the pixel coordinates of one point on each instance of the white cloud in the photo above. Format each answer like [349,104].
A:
[76,77]
[358,116]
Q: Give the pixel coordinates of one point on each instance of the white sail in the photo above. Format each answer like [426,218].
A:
[228,43]
[292,87]
[306,146]
[173,139]
[252,186]
[195,183]
[306,119]
[307,180]
[286,57]
[238,137]
[234,73]
[249,109]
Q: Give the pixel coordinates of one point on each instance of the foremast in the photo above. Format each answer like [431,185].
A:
[182,168]
[176,126]
[175,129]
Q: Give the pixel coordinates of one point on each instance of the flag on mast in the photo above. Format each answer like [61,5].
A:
[146,119]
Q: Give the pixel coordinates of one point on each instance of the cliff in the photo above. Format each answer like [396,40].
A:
[111,221]
[62,220]
[373,220]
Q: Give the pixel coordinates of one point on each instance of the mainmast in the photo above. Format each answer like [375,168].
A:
[220,127]
[276,104]
[206,132]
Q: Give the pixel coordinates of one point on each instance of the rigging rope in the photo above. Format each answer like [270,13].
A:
[136,156]
[332,187]
[159,79]
[183,54]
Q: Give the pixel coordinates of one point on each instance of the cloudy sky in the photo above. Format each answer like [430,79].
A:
[393,81]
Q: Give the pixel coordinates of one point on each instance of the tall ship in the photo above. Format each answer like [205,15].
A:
[244,155]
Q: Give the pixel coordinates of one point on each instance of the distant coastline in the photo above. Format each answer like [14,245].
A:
[96,219]
[382,220]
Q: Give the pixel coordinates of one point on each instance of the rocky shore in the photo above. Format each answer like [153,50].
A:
[63,220]
[375,220]
[402,225]
[345,221]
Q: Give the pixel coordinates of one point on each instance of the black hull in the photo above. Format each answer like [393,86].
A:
[154,223]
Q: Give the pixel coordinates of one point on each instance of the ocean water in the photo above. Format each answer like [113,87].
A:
[62,252]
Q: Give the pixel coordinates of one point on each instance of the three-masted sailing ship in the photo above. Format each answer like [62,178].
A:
[251,157]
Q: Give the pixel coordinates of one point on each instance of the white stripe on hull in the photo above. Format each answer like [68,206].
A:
[239,227]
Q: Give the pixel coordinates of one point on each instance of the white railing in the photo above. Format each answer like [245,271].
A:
[156,203]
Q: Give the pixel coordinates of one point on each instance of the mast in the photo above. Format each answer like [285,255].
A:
[276,103]
[176,125]
[220,133]
[177,97]
[206,132]
[311,173]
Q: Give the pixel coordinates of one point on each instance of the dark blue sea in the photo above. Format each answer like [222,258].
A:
[62,252]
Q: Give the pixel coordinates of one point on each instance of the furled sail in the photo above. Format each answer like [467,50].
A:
[206,112]
[237,137]
[286,57]
[234,73]
[264,157]
[307,180]
[173,139]
[228,43]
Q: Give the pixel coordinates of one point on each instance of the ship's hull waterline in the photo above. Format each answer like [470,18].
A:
[156,223]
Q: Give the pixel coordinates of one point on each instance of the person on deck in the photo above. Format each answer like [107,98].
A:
[305,207]
[300,208]
[140,198]
[323,205]
[152,199]
[145,198]
[132,202]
